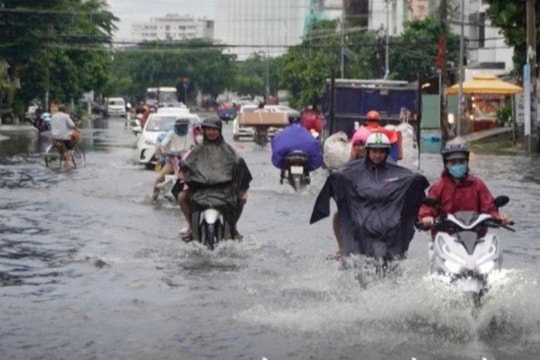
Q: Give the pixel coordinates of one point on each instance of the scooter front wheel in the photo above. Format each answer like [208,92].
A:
[210,235]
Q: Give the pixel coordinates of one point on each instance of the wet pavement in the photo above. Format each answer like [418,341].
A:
[90,268]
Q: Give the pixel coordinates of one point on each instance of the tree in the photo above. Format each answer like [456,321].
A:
[57,46]
[305,68]
[160,63]
[511,18]
[413,53]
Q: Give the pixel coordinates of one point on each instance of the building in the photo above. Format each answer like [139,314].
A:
[265,27]
[172,27]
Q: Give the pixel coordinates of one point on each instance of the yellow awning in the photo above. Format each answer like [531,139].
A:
[485,84]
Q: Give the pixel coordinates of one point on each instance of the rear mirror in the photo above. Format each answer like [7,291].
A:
[501,200]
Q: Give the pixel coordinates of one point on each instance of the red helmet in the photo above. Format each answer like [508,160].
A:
[373,115]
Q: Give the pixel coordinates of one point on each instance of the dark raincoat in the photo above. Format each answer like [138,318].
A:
[216,176]
[377,206]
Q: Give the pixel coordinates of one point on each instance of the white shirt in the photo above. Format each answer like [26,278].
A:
[174,143]
[61,125]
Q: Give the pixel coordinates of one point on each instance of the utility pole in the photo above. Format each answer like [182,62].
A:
[443,13]
[461,100]
[531,60]
[387,42]
[342,55]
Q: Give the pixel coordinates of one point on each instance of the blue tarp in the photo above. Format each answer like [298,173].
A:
[295,137]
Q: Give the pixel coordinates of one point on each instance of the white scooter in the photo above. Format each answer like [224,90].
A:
[210,227]
[464,249]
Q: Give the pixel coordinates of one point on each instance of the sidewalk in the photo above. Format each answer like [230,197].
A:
[486,133]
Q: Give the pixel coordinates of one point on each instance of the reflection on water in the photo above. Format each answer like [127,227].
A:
[19,144]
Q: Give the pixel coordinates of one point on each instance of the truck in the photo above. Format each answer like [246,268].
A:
[347,101]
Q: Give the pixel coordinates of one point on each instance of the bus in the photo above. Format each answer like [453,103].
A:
[161,96]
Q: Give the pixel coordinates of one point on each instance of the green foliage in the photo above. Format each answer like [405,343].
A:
[413,53]
[166,64]
[511,17]
[305,68]
[57,46]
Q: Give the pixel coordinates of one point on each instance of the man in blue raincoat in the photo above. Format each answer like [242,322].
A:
[295,137]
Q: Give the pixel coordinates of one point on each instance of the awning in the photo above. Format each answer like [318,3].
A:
[485,84]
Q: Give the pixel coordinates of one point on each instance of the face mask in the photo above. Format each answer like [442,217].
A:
[199,139]
[457,171]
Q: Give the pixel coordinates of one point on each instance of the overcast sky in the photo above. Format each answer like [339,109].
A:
[130,11]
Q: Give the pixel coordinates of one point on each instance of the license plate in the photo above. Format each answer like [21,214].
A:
[297,170]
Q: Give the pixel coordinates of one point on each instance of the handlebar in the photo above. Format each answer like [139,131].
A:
[440,222]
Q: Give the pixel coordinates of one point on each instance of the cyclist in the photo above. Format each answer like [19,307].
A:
[61,128]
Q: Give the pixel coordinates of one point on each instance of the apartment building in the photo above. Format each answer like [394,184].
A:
[265,27]
[172,27]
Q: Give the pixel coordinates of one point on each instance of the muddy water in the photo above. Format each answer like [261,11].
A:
[90,268]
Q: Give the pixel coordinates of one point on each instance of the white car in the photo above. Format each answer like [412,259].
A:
[116,106]
[176,110]
[156,124]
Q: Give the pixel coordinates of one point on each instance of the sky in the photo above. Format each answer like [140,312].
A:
[130,11]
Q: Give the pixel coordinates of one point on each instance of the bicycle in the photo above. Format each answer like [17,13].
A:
[54,155]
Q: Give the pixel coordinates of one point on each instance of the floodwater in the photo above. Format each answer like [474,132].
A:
[90,268]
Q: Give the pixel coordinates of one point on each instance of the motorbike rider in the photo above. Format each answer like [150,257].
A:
[176,141]
[293,138]
[213,171]
[358,151]
[377,202]
[61,127]
[373,124]
[312,119]
[457,189]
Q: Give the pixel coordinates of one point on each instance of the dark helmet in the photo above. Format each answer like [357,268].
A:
[294,118]
[455,150]
[212,122]
[181,126]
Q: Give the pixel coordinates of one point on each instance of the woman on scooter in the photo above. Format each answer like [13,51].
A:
[214,171]
[457,190]
[177,141]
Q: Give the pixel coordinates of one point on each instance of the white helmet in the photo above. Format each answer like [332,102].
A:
[378,141]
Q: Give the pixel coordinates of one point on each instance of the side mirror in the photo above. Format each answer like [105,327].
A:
[501,200]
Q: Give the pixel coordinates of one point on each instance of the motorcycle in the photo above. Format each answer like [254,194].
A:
[136,124]
[40,120]
[209,227]
[464,250]
[296,170]
[260,135]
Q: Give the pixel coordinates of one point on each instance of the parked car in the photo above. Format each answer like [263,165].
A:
[156,124]
[116,106]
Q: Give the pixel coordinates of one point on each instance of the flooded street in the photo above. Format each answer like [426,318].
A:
[90,268]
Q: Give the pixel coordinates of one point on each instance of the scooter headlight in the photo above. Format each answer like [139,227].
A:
[452,266]
[486,267]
